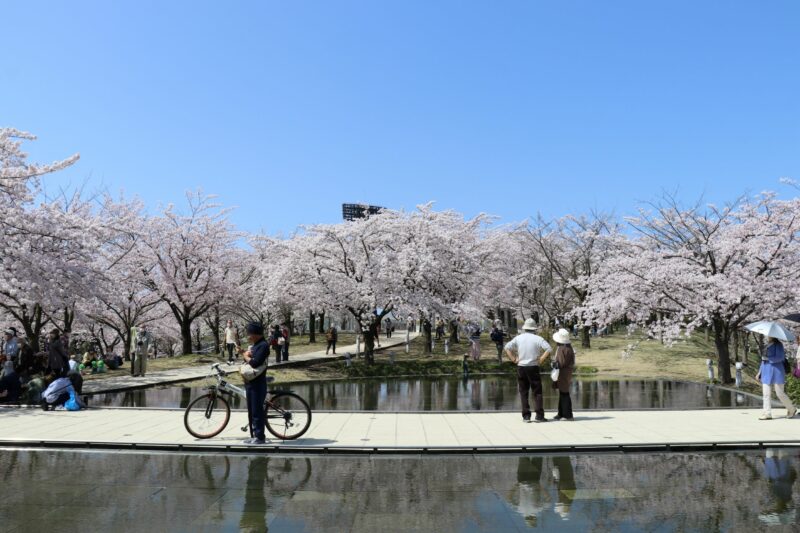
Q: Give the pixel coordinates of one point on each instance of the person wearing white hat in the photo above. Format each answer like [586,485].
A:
[11,346]
[565,361]
[527,350]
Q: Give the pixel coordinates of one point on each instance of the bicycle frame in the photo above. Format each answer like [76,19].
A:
[229,388]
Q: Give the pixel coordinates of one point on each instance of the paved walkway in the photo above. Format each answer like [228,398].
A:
[405,432]
[163,377]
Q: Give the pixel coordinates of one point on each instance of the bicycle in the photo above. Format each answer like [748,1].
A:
[288,416]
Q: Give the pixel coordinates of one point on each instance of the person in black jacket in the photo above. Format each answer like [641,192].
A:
[256,356]
[57,359]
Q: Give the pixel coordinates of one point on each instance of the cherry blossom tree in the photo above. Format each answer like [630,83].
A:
[32,265]
[424,260]
[193,258]
[686,267]
[567,251]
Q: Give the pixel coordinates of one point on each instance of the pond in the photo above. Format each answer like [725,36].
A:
[77,491]
[487,393]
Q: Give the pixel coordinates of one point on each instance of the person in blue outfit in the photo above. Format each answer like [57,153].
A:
[771,375]
[256,356]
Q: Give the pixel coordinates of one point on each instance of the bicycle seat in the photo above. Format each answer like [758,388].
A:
[270,379]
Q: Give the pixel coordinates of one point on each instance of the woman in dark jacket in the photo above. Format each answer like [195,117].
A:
[565,358]
[57,359]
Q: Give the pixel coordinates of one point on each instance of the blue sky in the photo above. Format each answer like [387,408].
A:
[288,109]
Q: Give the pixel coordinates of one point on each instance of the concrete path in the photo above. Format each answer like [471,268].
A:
[125,381]
[358,432]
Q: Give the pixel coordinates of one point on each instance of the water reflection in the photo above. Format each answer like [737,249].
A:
[453,394]
[779,469]
[608,492]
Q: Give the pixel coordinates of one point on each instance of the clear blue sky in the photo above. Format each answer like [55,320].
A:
[287,109]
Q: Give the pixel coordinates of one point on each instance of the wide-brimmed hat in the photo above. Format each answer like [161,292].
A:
[561,336]
[530,325]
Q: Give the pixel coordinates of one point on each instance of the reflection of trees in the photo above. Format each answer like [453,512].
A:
[673,492]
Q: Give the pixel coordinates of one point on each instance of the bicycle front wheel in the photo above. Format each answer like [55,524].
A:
[207,416]
[288,415]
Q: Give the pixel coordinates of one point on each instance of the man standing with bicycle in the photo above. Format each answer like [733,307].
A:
[256,356]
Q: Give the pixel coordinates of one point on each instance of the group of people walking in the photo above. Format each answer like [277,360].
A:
[278,340]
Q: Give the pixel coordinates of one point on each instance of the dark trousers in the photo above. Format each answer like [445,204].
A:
[230,348]
[61,400]
[256,395]
[285,351]
[499,346]
[528,379]
[564,405]
[331,344]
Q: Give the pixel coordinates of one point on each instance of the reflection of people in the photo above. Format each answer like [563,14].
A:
[781,476]
[564,478]
[254,513]
[530,498]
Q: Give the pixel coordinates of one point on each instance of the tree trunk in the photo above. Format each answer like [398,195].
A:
[453,332]
[197,346]
[736,345]
[586,339]
[186,336]
[369,344]
[746,346]
[312,330]
[428,329]
[721,340]
[33,325]
[322,322]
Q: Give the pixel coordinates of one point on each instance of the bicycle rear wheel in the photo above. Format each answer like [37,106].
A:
[288,415]
[207,416]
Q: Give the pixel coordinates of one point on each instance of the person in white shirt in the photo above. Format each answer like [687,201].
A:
[231,340]
[528,351]
[11,346]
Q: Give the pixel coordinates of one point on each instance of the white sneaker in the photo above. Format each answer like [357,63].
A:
[253,441]
[791,412]
[765,416]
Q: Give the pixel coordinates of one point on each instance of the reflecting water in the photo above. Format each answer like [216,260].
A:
[77,491]
[490,393]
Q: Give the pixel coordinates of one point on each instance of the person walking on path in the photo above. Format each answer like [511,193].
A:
[439,329]
[231,340]
[527,350]
[565,362]
[142,342]
[256,356]
[331,336]
[286,335]
[57,359]
[771,375]
[276,341]
[498,337]
[389,328]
